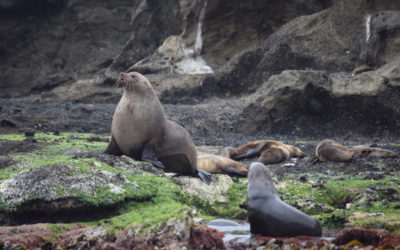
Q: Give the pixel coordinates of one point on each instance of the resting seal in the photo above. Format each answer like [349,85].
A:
[268,214]
[140,130]
[216,164]
[268,152]
[329,150]
[372,152]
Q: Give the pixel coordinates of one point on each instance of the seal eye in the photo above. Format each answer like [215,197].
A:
[133,77]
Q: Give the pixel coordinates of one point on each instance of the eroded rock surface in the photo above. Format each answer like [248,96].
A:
[58,189]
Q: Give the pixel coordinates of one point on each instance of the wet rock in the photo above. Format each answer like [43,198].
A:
[98,139]
[375,237]
[57,189]
[7,123]
[215,192]
[173,56]
[86,91]
[293,113]
[6,161]
[10,147]
[131,166]
[206,238]
[332,40]
[372,175]
[279,243]
[309,206]
[173,234]
[59,51]
[177,89]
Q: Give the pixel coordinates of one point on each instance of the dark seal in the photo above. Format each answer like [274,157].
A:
[268,214]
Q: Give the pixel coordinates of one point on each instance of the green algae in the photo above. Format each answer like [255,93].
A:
[12,137]
[149,199]
[146,199]
[165,201]
[60,228]
[234,207]
[343,196]
[387,220]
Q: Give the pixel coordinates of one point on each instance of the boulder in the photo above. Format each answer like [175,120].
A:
[310,103]
[215,192]
[337,39]
[59,42]
[53,192]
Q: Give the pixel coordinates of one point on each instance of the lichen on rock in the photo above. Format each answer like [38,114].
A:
[215,192]
[57,183]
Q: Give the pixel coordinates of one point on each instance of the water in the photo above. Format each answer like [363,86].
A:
[241,232]
[368,28]
[193,63]
[232,230]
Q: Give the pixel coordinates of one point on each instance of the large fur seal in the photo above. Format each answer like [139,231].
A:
[268,152]
[216,164]
[268,214]
[329,150]
[140,130]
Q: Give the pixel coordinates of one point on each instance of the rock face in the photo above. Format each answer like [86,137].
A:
[42,48]
[256,67]
[292,101]
[52,43]
[334,40]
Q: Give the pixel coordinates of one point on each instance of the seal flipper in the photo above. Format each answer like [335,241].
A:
[180,164]
[315,160]
[112,148]
[204,176]
[201,174]
[149,155]
[234,172]
[251,153]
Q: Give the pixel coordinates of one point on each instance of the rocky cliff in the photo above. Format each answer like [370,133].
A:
[197,51]
[228,71]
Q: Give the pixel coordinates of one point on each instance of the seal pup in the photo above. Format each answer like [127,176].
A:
[329,150]
[268,214]
[268,152]
[216,164]
[140,130]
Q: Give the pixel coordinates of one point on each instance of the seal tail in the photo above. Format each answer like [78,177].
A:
[204,176]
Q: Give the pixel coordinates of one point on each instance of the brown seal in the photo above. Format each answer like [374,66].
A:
[268,214]
[372,152]
[329,150]
[268,152]
[216,164]
[140,130]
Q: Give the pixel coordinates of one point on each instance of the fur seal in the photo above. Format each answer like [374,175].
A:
[372,152]
[268,214]
[216,164]
[329,150]
[140,130]
[268,152]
